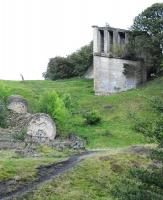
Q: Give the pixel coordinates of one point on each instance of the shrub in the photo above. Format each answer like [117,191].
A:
[143,126]
[157,104]
[67,100]
[92,117]
[52,104]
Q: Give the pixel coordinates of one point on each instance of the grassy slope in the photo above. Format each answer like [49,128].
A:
[93,179]
[116,127]
[15,166]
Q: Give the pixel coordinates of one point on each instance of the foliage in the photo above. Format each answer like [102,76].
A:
[92,117]
[4,91]
[59,68]
[146,183]
[53,105]
[118,50]
[3,113]
[20,136]
[113,109]
[147,35]
[73,65]
[151,22]
[157,104]
[67,99]
[129,69]
[152,128]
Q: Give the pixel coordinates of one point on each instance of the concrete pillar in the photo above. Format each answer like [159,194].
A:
[115,37]
[106,42]
[96,40]
[126,38]
[118,38]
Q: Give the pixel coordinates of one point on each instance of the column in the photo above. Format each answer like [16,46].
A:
[106,42]
[115,37]
[96,40]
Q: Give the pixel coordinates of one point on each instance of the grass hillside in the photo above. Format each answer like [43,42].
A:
[96,178]
[115,129]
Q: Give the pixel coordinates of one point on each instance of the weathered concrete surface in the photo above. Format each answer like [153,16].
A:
[17,104]
[41,128]
[109,77]
[112,36]
[109,50]
[89,73]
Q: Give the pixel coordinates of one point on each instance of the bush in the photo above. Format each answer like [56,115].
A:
[92,117]
[157,104]
[67,100]
[52,104]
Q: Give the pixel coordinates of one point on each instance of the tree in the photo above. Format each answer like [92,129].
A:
[58,68]
[82,59]
[73,65]
[151,22]
[147,35]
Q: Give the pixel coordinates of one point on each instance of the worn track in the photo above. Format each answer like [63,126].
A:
[49,172]
[44,174]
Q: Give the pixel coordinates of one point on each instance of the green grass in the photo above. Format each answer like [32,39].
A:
[115,130]
[15,166]
[93,179]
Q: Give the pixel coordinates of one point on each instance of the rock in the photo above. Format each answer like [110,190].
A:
[17,104]
[41,128]
[76,142]
[108,106]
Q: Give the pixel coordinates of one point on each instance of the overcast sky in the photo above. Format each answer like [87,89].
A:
[32,31]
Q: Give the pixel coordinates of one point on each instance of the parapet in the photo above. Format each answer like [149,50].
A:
[109,41]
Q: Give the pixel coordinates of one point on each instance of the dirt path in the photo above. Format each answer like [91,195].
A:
[44,174]
[10,190]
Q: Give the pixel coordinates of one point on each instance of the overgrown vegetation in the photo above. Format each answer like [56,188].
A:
[146,37]
[53,104]
[93,179]
[79,98]
[73,65]
[3,113]
[92,117]
[146,183]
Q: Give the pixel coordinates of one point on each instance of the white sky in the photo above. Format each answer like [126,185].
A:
[32,31]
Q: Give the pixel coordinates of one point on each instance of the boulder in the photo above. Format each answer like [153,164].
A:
[41,128]
[17,104]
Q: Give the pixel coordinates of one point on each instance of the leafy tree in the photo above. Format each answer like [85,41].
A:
[73,65]
[151,22]
[146,38]
[58,68]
